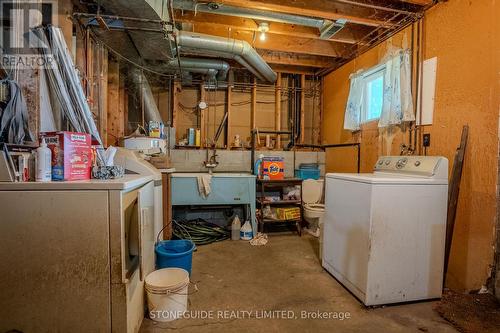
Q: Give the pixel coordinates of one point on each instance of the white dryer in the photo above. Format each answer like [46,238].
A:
[384,232]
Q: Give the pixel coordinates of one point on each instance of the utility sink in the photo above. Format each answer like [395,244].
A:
[226,189]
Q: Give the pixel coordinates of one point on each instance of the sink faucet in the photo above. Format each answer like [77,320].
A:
[211,163]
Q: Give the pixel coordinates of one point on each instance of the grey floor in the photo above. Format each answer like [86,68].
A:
[284,275]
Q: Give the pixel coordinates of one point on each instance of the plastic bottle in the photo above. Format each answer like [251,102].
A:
[246,231]
[235,228]
[256,170]
[43,163]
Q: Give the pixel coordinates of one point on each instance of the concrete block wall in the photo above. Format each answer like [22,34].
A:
[185,160]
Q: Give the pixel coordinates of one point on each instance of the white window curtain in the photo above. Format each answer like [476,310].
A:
[354,105]
[398,101]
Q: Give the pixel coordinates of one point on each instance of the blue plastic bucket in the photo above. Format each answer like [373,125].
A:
[175,253]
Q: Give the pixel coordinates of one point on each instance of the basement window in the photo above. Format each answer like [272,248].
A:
[373,97]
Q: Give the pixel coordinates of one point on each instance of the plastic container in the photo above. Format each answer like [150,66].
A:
[43,163]
[167,293]
[307,173]
[175,253]
[246,232]
[235,228]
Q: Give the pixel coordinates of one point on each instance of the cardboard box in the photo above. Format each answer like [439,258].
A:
[291,213]
[71,154]
[273,167]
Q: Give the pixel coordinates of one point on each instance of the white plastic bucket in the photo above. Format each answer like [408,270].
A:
[167,293]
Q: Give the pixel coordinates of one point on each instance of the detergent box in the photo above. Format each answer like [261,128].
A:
[273,167]
[71,154]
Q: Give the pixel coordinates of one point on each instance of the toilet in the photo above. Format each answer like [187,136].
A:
[312,194]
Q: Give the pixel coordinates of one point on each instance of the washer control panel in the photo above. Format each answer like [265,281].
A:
[416,165]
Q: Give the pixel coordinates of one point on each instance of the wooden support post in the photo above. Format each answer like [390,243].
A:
[103,94]
[167,205]
[203,133]
[123,100]
[175,106]
[229,136]
[115,121]
[253,109]
[277,110]
[302,106]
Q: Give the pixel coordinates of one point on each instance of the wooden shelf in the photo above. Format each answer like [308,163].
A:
[280,202]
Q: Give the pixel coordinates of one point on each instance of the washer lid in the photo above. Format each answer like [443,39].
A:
[311,191]
[386,178]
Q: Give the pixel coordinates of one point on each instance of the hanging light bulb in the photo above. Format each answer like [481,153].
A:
[263,28]
[262,36]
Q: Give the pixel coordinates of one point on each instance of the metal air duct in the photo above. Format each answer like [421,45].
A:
[235,49]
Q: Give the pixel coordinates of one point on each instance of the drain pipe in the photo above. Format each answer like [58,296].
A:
[235,49]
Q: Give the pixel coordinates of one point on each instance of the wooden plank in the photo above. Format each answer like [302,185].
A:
[453,192]
[302,106]
[277,42]
[115,114]
[296,59]
[175,107]
[229,136]
[123,101]
[167,205]
[277,110]
[103,94]
[313,8]
[253,109]
[203,132]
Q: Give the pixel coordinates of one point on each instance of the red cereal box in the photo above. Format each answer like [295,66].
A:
[71,154]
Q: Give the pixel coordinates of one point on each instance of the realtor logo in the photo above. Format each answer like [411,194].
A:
[19,45]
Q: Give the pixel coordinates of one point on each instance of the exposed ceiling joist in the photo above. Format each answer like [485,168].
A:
[350,35]
[313,8]
[275,42]
[305,60]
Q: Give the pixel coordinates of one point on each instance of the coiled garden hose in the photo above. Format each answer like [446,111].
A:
[201,232]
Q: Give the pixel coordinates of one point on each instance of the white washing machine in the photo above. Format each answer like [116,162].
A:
[384,232]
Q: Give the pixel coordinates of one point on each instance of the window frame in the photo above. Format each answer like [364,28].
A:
[369,76]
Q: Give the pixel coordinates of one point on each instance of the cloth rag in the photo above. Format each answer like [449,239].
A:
[260,239]
[204,182]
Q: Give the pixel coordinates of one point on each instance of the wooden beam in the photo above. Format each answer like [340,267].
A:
[351,34]
[102,98]
[253,109]
[203,132]
[302,106]
[175,107]
[313,8]
[115,122]
[293,69]
[276,42]
[277,110]
[295,59]
[229,121]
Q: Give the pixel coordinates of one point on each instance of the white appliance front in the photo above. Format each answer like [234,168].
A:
[385,241]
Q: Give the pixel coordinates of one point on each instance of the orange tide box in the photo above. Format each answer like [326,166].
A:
[273,167]
[71,154]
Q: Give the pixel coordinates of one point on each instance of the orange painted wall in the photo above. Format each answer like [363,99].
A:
[465,37]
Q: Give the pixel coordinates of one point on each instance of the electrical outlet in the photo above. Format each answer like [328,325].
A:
[427,140]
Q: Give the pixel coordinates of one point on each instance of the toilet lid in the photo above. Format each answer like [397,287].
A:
[311,191]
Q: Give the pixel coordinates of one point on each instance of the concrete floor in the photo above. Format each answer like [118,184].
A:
[284,275]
